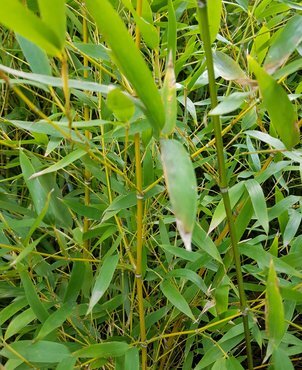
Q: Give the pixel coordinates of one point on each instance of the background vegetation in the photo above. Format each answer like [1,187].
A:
[109,177]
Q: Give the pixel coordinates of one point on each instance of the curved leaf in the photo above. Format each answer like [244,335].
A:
[182,188]
[129,59]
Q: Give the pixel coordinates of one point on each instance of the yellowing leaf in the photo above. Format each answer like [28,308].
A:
[182,188]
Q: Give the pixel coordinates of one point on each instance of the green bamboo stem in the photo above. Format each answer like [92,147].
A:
[87,174]
[139,221]
[223,182]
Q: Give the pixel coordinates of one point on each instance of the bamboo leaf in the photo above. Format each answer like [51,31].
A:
[35,56]
[41,352]
[120,104]
[18,18]
[214,16]
[128,59]
[281,360]
[281,111]
[260,45]
[19,322]
[39,189]
[230,103]
[32,295]
[55,320]
[70,158]
[172,31]
[53,14]
[275,321]
[103,350]
[148,31]
[182,188]
[227,68]
[174,296]
[284,44]
[75,282]
[103,280]
[258,201]
[169,98]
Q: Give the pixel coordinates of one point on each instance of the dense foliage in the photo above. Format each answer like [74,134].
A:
[115,246]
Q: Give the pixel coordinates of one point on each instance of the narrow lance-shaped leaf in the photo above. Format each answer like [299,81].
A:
[284,44]
[260,45]
[258,201]
[32,296]
[175,297]
[169,98]
[55,320]
[227,67]
[35,56]
[18,18]
[182,187]
[70,158]
[172,30]
[214,15]
[148,31]
[103,280]
[53,14]
[281,111]
[129,59]
[275,324]
[103,350]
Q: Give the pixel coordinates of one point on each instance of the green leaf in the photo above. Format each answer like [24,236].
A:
[35,56]
[172,31]
[53,81]
[181,253]
[68,159]
[68,363]
[230,103]
[258,201]
[75,282]
[120,104]
[233,364]
[281,111]
[19,322]
[39,189]
[103,350]
[204,242]
[42,352]
[281,360]
[20,19]
[129,59]
[103,280]
[174,296]
[182,188]
[10,310]
[148,31]
[169,98]
[55,320]
[53,14]
[132,359]
[219,215]
[32,295]
[188,275]
[220,364]
[292,227]
[284,44]
[260,45]
[214,9]
[275,321]
[227,68]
